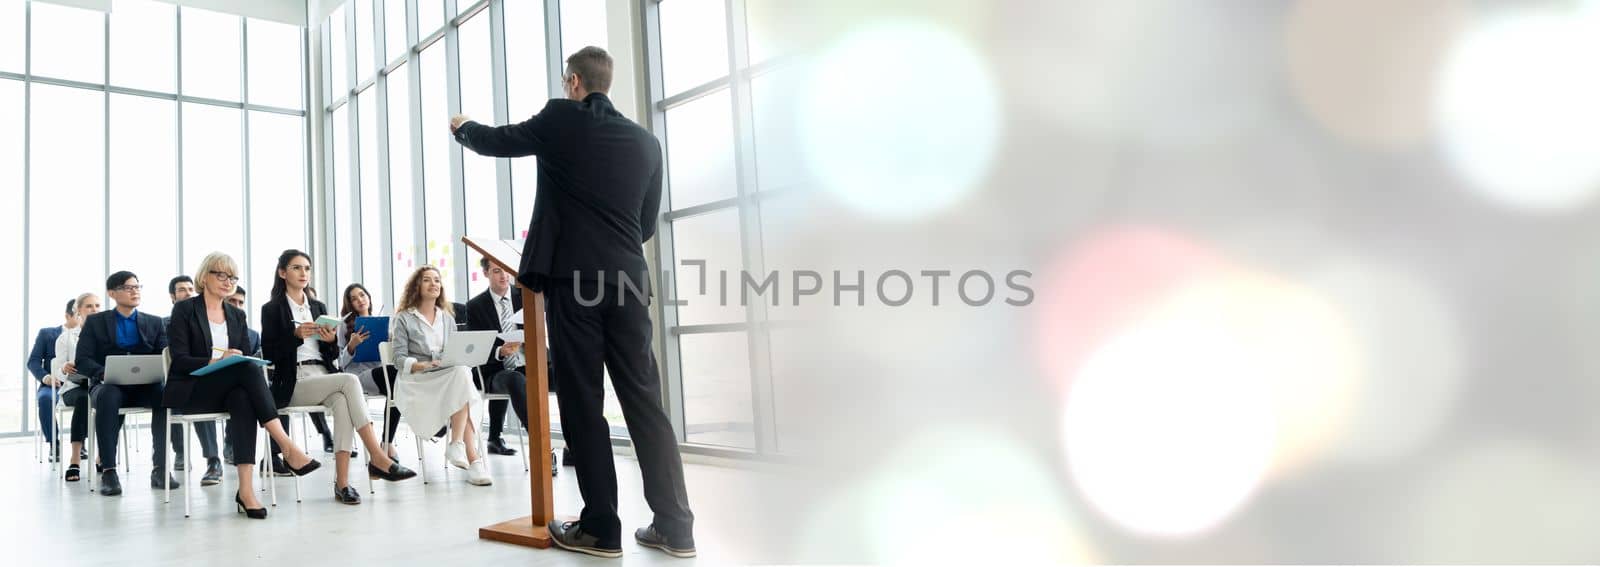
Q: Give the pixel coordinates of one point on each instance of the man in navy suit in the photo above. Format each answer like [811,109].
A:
[119,331]
[599,191]
[44,351]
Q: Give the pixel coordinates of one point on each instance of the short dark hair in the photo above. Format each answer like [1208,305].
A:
[118,279]
[593,66]
[172,285]
[72,306]
[238,290]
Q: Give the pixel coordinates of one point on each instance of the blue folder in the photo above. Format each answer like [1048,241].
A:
[226,362]
[378,330]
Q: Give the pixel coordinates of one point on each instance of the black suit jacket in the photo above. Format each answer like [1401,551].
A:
[482,316]
[278,344]
[99,340]
[190,330]
[599,190]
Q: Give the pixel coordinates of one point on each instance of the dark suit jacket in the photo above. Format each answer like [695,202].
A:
[599,190]
[278,344]
[484,317]
[461,315]
[44,350]
[99,340]
[190,330]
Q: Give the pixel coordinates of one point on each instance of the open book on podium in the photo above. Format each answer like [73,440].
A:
[527,530]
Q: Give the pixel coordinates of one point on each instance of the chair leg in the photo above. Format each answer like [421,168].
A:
[302,445]
[94,456]
[422,461]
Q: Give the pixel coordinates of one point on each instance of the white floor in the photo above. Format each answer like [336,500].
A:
[46,521]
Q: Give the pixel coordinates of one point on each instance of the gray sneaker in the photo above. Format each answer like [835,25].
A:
[676,547]
[571,537]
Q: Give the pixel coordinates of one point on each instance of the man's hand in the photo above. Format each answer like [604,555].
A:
[509,348]
[457,120]
[51,381]
[69,369]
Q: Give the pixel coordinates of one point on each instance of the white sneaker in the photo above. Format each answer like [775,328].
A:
[456,454]
[478,474]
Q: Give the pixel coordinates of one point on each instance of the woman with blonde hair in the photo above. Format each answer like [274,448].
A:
[203,329]
[428,394]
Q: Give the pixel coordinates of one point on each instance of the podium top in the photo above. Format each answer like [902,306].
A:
[504,253]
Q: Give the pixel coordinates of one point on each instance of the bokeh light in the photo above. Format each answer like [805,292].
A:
[1169,426]
[1411,344]
[923,506]
[1516,108]
[1375,92]
[900,119]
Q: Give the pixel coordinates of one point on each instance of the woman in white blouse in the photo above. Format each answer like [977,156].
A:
[431,395]
[72,391]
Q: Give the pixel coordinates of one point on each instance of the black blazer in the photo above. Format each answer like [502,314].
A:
[99,340]
[599,189]
[278,344]
[190,330]
[482,316]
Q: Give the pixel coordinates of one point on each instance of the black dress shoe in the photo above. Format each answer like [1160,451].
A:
[498,447]
[566,456]
[327,444]
[213,473]
[252,513]
[157,474]
[347,496]
[178,464]
[394,474]
[307,468]
[554,470]
[109,485]
[280,468]
[571,537]
[677,547]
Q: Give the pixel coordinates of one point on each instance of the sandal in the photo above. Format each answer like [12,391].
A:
[72,473]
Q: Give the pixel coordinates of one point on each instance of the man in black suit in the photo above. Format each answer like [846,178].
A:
[599,191]
[119,331]
[492,310]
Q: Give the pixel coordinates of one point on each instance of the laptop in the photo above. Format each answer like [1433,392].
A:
[135,369]
[468,348]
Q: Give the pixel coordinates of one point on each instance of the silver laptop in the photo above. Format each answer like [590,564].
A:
[468,348]
[135,369]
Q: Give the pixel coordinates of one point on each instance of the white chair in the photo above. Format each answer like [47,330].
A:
[488,397]
[187,421]
[94,453]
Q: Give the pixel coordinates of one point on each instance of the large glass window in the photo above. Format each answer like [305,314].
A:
[700,151]
[14,334]
[13,40]
[211,55]
[166,166]
[373,265]
[430,17]
[67,204]
[213,183]
[402,191]
[69,43]
[144,45]
[275,57]
[478,172]
[394,29]
[528,88]
[582,24]
[343,188]
[339,67]
[277,198]
[716,389]
[144,194]
[437,207]
[364,47]
[694,43]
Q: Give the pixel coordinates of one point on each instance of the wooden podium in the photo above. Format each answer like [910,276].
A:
[530,531]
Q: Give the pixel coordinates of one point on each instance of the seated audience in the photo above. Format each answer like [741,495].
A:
[122,330]
[429,394]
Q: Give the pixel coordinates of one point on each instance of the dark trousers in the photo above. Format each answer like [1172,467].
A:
[78,398]
[381,376]
[107,399]
[242,392]
[46,398]
[513,383]
[613,335]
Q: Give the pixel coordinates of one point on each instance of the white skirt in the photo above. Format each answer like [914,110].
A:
[427,400]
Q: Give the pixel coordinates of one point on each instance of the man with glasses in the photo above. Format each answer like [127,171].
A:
[178,289]
[119,331]
[598,195]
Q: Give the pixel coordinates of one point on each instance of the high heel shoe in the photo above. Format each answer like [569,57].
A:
[252,513]
[305,470]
